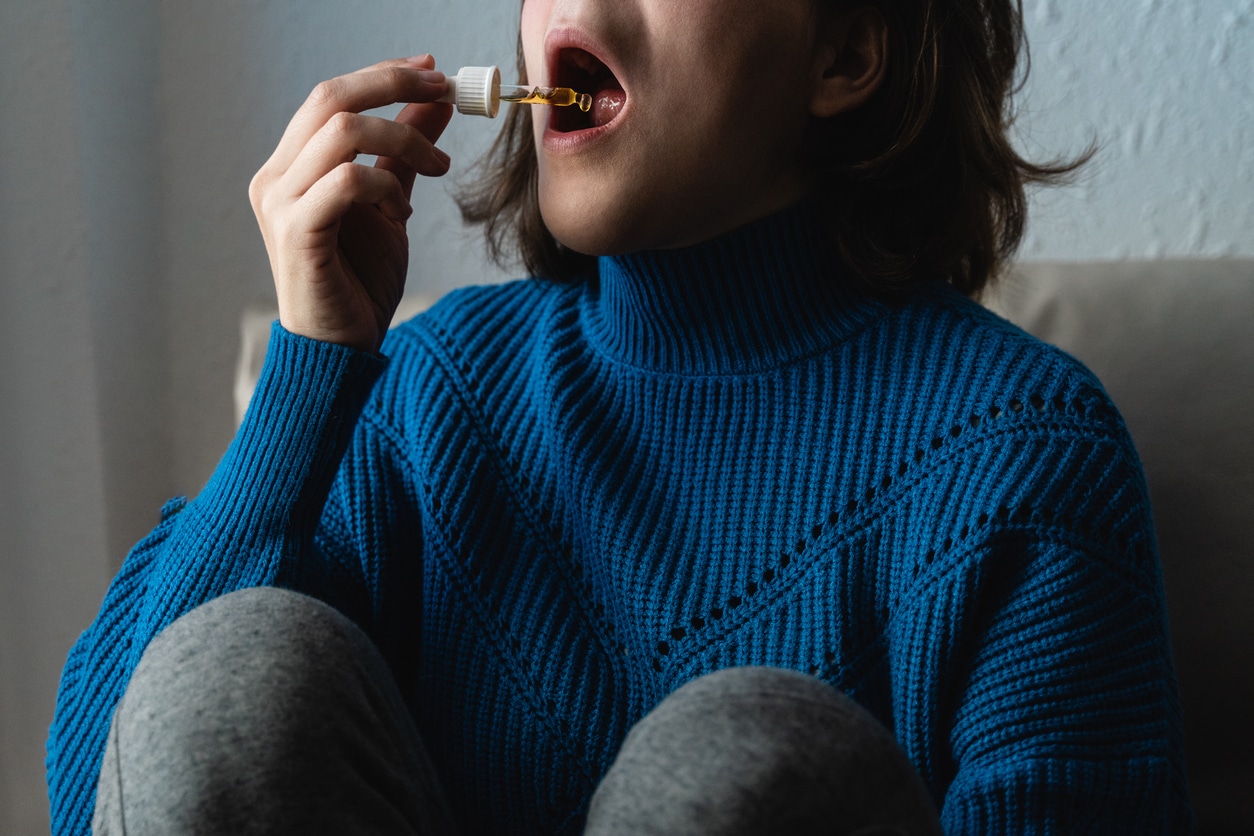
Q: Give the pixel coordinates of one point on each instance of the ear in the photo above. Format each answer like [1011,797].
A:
[850,59]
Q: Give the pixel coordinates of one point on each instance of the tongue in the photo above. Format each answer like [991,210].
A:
[607,103]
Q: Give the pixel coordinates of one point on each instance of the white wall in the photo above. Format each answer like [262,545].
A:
[1167,88]
[52,502]
[130,129]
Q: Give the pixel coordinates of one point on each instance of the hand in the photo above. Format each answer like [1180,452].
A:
[335,229]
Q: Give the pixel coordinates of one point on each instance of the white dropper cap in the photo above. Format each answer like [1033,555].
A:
[475,90]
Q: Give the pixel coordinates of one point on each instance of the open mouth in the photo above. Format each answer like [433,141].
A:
[582,71]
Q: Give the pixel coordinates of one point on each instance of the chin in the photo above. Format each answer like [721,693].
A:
[595,223]
[591,240]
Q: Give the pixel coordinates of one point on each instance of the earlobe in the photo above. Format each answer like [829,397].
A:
[850,62]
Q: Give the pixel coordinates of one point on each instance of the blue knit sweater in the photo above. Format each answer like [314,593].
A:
[552,505]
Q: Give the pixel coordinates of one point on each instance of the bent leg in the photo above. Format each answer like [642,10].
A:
[265,711]
[760,751]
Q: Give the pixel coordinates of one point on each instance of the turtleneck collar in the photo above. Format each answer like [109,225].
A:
[751,300]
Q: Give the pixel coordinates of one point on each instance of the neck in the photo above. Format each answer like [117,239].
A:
[756,298]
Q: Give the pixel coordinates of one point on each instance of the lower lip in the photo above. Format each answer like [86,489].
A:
[563,141]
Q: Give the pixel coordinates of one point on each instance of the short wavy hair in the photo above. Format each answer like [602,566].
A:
[922,182]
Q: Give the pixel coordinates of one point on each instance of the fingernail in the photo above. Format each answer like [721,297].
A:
[418,59]
[433,76]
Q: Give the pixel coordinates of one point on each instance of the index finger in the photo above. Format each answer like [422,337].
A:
[385,83]
[430,121]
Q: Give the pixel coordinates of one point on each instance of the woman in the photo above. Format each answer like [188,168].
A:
[744,434]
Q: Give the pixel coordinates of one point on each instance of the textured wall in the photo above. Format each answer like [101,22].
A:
[1167,89]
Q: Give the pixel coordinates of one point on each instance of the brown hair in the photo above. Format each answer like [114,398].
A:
[922,182]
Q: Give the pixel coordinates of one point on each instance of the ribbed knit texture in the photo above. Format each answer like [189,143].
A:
[561,503]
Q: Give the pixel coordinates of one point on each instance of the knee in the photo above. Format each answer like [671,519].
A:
[263,621]
[256,658]
[260,643]
[782,716]
[761,750]
[245,705]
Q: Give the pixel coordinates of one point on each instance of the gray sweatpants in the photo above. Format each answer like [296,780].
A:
[268,712]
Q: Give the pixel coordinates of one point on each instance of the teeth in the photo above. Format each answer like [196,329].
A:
[583,62]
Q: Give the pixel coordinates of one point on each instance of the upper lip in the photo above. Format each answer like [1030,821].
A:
[569,37]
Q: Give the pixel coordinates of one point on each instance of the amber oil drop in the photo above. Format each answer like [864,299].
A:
[559,96]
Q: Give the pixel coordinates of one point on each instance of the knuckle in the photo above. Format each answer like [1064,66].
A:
[325,92]
[347,175]
[396,76]
[412,137]
[256,188]
[342,123]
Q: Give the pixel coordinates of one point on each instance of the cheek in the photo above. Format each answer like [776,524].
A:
[742,45]
[532,25]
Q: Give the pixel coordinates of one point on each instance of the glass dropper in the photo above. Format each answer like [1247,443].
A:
[478,90]
[560,96]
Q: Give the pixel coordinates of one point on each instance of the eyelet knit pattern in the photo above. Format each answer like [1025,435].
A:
[554,505]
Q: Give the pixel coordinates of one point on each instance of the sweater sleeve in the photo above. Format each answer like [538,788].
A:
[254,524]
[1041,696]
[1064,716]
